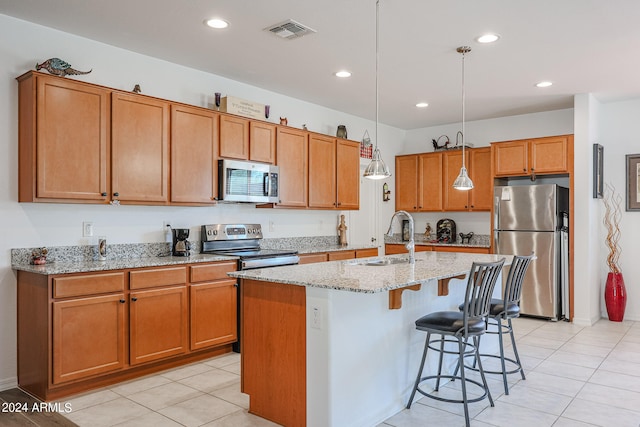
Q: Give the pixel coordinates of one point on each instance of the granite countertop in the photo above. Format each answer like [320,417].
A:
[355,276]
[477,241]
[65,267]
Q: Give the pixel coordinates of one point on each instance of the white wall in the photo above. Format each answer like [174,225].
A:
[619,130]
[23,44]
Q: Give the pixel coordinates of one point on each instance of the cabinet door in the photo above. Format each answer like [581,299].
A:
[348,174]
[88,337]
[454,200]
[213,313]
[430,182]
[322,172]
[481,197]
[140,149]
[72,149]
[550,155]
[313,258]
[234,137]
[158,324]
[341,255]
[292,158]
[194,166]
[511,158]
[262,142]
[407,182]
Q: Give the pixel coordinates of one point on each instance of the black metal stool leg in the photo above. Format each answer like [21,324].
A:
[463,381]
[424,357]
[515,349]
[440,363]
[502,363]
[476,341]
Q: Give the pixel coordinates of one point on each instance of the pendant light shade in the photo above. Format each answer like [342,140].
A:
[377,169]
[463,182]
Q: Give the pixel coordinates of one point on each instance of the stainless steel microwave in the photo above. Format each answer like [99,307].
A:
[240,181]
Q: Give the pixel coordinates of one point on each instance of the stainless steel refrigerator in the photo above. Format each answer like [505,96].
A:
[534,218]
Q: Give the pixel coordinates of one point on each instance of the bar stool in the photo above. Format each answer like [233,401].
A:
[460,326]
[503,310]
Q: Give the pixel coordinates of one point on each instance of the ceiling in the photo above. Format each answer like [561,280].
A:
[582,46]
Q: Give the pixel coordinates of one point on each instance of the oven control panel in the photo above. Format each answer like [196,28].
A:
[231,232]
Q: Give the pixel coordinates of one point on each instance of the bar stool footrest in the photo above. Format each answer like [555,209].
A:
[452,377]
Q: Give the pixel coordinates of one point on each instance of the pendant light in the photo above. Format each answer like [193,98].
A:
[463,182]
[377,169]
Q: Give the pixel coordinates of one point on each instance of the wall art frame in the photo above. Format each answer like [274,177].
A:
[633,182]
[598,171]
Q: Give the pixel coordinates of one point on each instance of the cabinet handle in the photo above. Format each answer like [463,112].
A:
[339,203]
[116,194]
[103,194]
[524,169]
[122,301]
[472,206]
[134,299]
[236,285]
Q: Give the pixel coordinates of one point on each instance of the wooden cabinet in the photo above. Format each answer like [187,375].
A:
[158,323]
[292,158]
[540,156]
[194,155]
[468,249]
[365,253]
[262,142]
[419,182]
[88,330]
[63,137]
[398,248]
[337,255]
[312,258]
[213,305]
[139,149]
[334,173]
[245,139]
[478,162]
[341,255]
[84,330]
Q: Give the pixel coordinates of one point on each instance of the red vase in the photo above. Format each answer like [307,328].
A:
[615,296]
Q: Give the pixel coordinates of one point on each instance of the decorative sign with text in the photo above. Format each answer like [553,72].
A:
[242,107]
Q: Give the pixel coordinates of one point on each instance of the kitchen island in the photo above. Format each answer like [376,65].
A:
[335,344]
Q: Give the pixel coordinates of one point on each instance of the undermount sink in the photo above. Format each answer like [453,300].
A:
[383,261]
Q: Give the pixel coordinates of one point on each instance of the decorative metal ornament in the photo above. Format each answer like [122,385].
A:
[58,67]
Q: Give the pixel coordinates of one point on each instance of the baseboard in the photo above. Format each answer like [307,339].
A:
[7,383]
[585,322]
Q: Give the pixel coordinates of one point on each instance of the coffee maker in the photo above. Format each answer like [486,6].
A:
[181,245]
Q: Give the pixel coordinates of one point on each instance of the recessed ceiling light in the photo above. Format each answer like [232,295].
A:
[217,23]
[543,84]
[422,105]
[487,38]
[343,74]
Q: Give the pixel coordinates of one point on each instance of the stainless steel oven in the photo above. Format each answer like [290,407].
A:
[243,241]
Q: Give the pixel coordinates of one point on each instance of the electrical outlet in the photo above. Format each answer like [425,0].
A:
[87,229]
[316,318]
[271,226]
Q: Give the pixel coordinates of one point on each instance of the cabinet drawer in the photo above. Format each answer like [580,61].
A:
[339,255]
[364,253]
[312,258]
[88,284]
[207,272]
[157,277]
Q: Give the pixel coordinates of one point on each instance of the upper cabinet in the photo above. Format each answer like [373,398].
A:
[63,140]
[246,139]
[292,158]
[478,163]
[139,149]
[540,156]
[334,173]
[419,182]
[194,153]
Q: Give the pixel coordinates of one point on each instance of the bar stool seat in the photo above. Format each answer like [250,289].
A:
[457,327]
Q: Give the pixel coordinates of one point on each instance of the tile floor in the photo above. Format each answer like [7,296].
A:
[575,377]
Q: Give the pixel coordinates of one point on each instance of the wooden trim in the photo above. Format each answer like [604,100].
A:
[395,295]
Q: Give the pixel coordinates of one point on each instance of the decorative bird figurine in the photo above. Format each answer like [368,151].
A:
[59,67]
[136,89]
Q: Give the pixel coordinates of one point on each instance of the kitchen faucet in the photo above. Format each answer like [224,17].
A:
[410,245]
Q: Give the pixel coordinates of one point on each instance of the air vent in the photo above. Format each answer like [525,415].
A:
[290,29]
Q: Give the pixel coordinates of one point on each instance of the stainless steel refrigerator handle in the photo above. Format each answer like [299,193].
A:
[496,211]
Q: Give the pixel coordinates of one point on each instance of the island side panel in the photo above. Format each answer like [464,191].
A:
[273,353]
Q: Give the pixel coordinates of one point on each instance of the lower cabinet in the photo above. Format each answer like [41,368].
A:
[396,248]
[158,324]
[337,255]
[88,337]
[83,330]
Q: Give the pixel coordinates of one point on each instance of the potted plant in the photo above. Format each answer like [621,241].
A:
[615,294]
